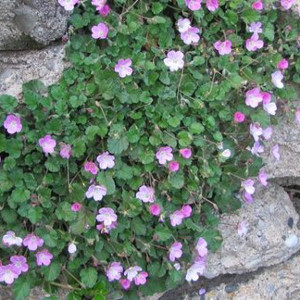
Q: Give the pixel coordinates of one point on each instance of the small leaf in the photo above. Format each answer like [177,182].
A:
[89,277]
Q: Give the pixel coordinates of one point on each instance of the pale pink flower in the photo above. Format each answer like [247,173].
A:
[190,36]
[201,247]
[99,3]
[123,67]
[164,154]
[256,131]
[202,291]
[177,266]
[254,43]
[100,31]
[76,206]
[8,273]
[174,60]
[283,64]
[287,4]
[186,153]
[107,216]
[20,262]
[173,166]
[297,115]
[68,5]
[141,278]
[106,160]
[270,108]
[43,257]
[132,272]
[146,194]
[267,133]
[183,25]
[106,229]
[262,177]
[91,167]
[47,143]
[257,5]
[32,242]
[103,11]
[175,251]
[195,270]
[242,228]
[212,5]
[275,152]
[65,151]
[247,197]
[193,4]
[277,78]
[125,283]
[254,97]
[96,191]
[72,248]
[176,218]
[226,153]
[186,210]
[248,186]
[154,209]
[223,48]
[257,149]
[114,271]
[12,124]
[10,239]
[255,27]
[239,117]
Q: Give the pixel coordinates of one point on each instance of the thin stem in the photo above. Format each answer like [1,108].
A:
[77,280]
[69,287]
[128,9]
[179,84]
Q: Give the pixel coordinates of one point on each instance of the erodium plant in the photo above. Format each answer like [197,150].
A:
[112,180]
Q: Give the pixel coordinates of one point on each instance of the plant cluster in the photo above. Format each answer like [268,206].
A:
[112,180]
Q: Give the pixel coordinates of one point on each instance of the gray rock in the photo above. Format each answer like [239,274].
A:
[30,24]
[269,240]
[19,67]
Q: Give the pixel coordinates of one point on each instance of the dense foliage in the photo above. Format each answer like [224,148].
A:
[50,168]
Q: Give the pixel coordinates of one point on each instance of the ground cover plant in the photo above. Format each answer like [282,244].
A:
[112,180]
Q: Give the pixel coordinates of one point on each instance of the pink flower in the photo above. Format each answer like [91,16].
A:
[141,278]
[175,251]
[146,194]
[248,185]
[223,47]
[262,177]
[270,108]
[68,5]
[275,152]
[114,271]
[173,166]
[91,167]
[176,218]
[287,4]
[164,154]
[8,273]
[195,270]
[297,115]
[190,36]
[125,284]
[255,27]
[186,153]
[10,239]
[212,5]
[242,228]
[283,64]
[72,248]
[98,3]
[267,133]
[20,262]
[254,97]
[201,247]
[256,131]
[193,4]
[226,153]
[106,161]
[100,31]
[103,11]
[257,149]
[76,206]
[123,67]
[254,43]
[47,144]
[247,197]
[43,257]
[65,151]
[106,229]
[12,124]
[174,60]
[32,242]
[239,117]
[183,25]
[186,210]
[96,191]
[277,78]
[132,272]
[257,5]
[154,209]
[107,216]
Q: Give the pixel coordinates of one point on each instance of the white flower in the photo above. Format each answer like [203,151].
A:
[11,239]
[72,248]
[174,60]
[277,78]
[132,272]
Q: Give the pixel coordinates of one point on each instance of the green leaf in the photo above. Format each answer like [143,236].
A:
[21,288]
[157,8]
[52,272]
[8,103]
[176,179]
[163,233]
[103,178]
[117,145]
[89,277]
[18,195]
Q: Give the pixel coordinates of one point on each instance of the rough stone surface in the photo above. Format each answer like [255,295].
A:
[19,67]
[270,240]
[28,24]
